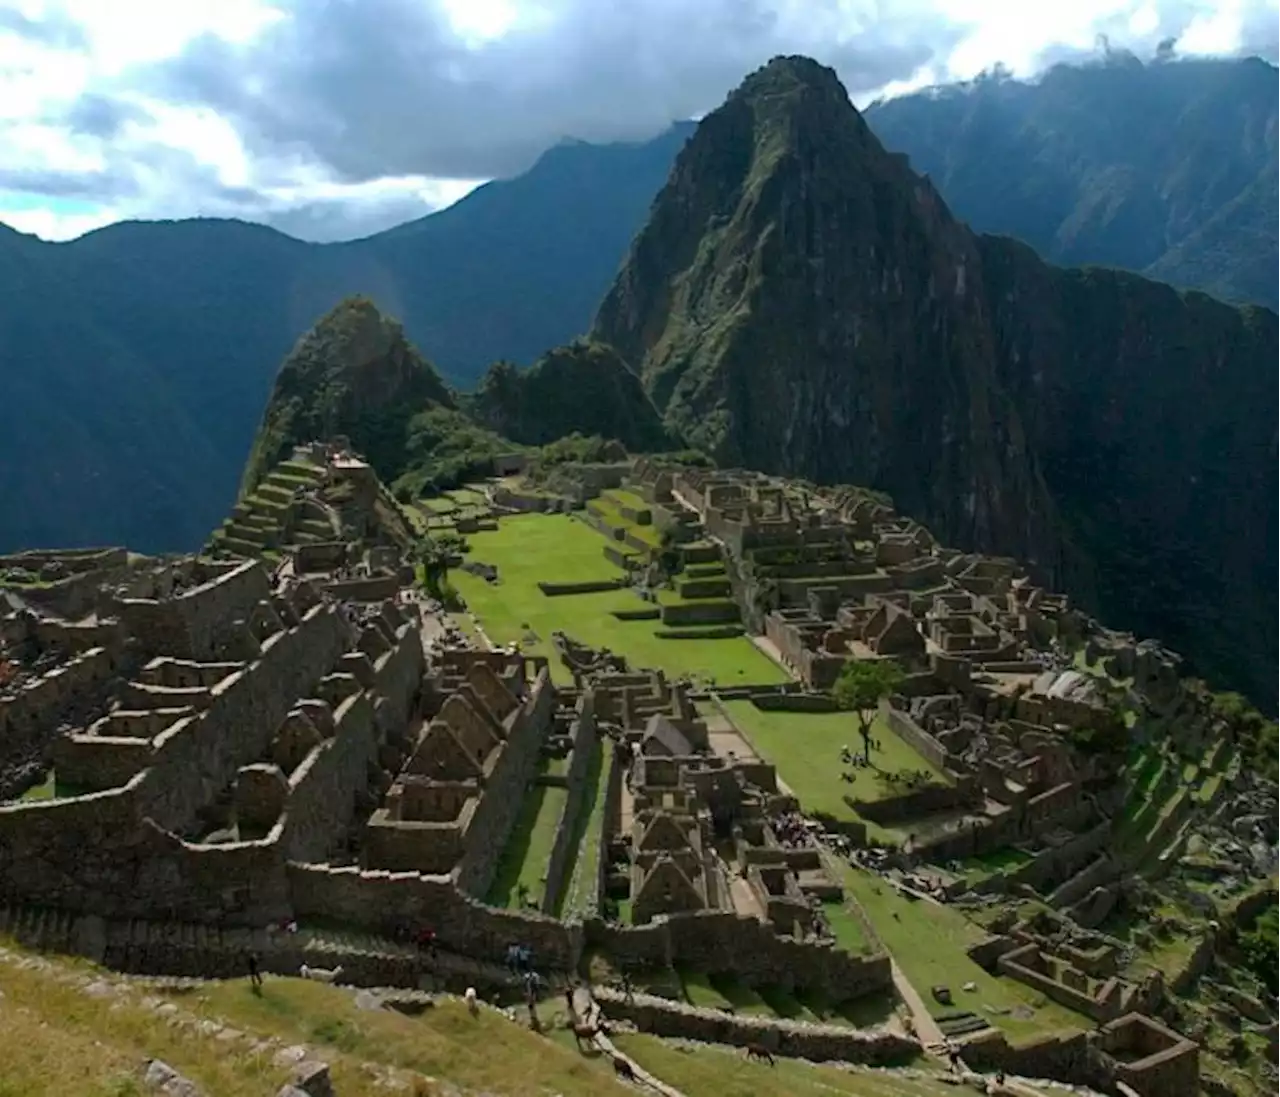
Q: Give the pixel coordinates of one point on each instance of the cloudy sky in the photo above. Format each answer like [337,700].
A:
[331,119]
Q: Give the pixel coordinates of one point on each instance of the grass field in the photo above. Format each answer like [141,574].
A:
[588,831]
[528,850]
[805,746]
[560,549]
[929,940]
[60,1039]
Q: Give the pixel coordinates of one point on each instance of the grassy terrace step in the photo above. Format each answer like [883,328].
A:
[268,490]
[240,547]
[703,571]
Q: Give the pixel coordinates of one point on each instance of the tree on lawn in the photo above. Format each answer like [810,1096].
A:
[433,554]
[862,685]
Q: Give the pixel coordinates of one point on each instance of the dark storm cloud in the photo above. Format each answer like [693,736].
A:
[372,88]
[95,115]
[95,185]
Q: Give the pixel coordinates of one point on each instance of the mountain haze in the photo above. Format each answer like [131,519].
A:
[801,302]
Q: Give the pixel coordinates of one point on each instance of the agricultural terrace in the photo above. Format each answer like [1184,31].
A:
[805,747]
[556,548]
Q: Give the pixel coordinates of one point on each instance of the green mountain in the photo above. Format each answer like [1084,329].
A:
[137,360]
[1167,168]
[801,302]
[355,373]
[583,388]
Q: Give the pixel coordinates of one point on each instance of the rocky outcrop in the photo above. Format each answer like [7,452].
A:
[801,302]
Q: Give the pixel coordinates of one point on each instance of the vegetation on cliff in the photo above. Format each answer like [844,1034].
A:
[802,303]
[582,388]
[353,374]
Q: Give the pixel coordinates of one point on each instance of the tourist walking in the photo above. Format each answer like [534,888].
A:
[255,976]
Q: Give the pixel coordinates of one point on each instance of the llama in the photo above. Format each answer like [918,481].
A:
[321,975]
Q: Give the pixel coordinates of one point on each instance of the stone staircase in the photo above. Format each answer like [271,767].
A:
[266,519]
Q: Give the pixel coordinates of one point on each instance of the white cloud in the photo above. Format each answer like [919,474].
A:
[331,120]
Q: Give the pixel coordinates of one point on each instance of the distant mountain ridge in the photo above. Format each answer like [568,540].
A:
[1168,168]
[138,359]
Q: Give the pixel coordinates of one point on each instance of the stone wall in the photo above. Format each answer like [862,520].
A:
[198,757]
[389,902]
[917,738]
[374,588]
[723,942]
[28,717]
[815,1042]
[564,847]
[93,763]
[107,852]
[322,790]
[505,790]
[928,800]
[195,623]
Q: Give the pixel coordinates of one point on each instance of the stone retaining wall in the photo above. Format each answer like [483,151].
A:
[597,586]
[388,902]
[815,1042]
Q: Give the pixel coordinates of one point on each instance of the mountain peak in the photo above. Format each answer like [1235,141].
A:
[789,75]
[354,373]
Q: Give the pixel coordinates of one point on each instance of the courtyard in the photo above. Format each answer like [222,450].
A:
[805,747]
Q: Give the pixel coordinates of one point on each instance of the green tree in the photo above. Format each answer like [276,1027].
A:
[862,685]
[1259,946]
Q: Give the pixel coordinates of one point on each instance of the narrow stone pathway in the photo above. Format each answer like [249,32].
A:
[927,1030]
[588,1009]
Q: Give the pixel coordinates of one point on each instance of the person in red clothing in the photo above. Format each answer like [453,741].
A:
[427,941]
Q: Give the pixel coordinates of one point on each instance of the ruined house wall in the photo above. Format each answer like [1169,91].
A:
[504,792]
[195,623]
[323,788]
[917,738]
[565,846]
[397,675]
[610,822]
[373,589]
[1060,1058]
[41,839]
[1052,864]
[94,763]
[28,717]
[197,758]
